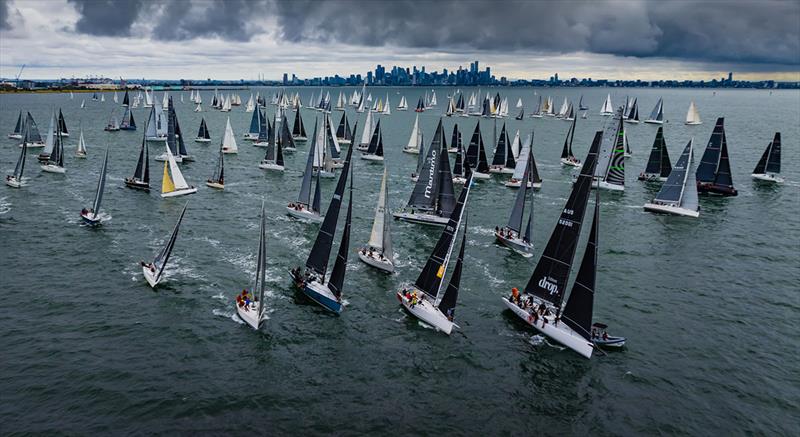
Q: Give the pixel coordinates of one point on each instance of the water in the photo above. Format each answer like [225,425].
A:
[709,306]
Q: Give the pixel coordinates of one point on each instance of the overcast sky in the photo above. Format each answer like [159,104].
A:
[240,39]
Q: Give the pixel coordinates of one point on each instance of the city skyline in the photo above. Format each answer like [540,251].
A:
[250,39]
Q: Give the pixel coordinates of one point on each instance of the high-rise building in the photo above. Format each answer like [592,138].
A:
[285,79]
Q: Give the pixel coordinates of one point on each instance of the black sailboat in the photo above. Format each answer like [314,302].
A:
[503,161]
[581,106]
[128,123]
[611,168]
[91,216]
[286,140]
[299,129]
[433,197]
[15,180]
[217,179]
[476,154]
[313,282]
[521,114]
[141,175]
[633,112]
[658,165]
[18,127]
[769,166]
[203,136]
[255,125]
[512,235]
[154,271]
[62,124]
[126,99]
[567,157]
[374,151]
[420,105]
[273,158]
[305,208]
[714,172]
[343,133]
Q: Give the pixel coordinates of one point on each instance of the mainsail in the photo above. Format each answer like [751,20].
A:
[658,163]
[680,189]
[770,161]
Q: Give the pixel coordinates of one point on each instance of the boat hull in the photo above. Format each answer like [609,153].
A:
[767,177]
[137,184]
[270,166]
[163,157]
[427,312]
[610,187]
[570,163]
[323,296]
[177,193]
[216,185]
[202,140]
[53,169]
[150,277]
[33,145]
[517,184]
[305,215]
[560,332]
[515,244]
[654,121]
[501,170]
[374,158]
[693,123]
[413,151]
[384,264]
[651,177]
[479,175]
[716,190]
[15,136]
[421,218]
[13,182]
[91,219]
[671,210]
[249,315]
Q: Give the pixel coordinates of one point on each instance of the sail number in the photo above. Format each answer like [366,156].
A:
[565,222]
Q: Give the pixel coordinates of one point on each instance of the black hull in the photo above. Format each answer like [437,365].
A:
[136,185]
[714,189]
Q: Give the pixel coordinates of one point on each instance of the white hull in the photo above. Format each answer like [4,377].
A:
[458,180]
[33,145]
[672,210]
[53,169]
[150,277]
[304,215]
[501,170]
[215,185]
[425,311]
[632,121]
[560,333]
[362,147]
[517,184]
[250,137]
[202,140]
[177,193]
[91,219]
[375,261]
[610,187]
[654,121]
[270,166]
[13,182]
[413,151]
[249,314]
[15,136]
[344,141]
[479,175]
[767,177]
[300,139]
[80,155]
[324,174]
[567,162]
[516,244]
[693,123]
[421,218]
[163,157]
[368,157]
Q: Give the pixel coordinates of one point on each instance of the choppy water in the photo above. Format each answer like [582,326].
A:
[709,306]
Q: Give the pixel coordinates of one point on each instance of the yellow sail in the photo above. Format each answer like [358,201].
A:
[166,182]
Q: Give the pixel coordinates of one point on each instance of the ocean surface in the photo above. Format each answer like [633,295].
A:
[710,306]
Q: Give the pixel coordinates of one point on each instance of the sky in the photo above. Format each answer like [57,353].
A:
[242,39]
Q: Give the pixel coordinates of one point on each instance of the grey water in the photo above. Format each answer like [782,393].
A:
[709,306]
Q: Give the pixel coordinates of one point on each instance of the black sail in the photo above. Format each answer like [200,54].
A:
[566,152]
[458,168]
[62,124]
[33,131]
[171,130]
[455,141]
[18,126]
[510,161]
[723,174]
[340,266]
[161,259]
[672,190]
[445,197]
[515,220]
[448,303]
[707,168]
[318,258]
[658,162]
[425,193]
[502,148]
[305,186]
[430,278]
[774,162]
[373,142]
[343,131]
[125,99]
[578,310]
[535,178]
[549,279]
[473,149]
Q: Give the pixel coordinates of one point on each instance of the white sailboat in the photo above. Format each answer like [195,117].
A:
[91,216]
[415,140]
[229,139]
[378,252]
[678,195]
[692,116]
[366,135]
[657,114]
[173,184]
[607,108]
[81,151]
[533,181]
[217,180]
[251,306]
[610,170]
[54,163]
[403,106]
[154,271]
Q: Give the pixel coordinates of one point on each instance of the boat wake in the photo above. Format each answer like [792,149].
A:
[5,205]
[228,315]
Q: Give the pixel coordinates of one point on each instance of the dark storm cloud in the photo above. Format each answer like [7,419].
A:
[5,15]
[766,31]
[106,17]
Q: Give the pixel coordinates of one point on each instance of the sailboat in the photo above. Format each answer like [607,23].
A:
[252,310]
[255,126]
[420,105]
[768,168]
[658,165]
[113,123]
[633,113]
[343,133]
[62,124]
[714,171]
[251,105]
[299,129]
[461,170]
[314,283]
[534,181]
[678,195]
[607,108]
[173,184]
[273,158]
[91,216]
[366,134]
[540,305]
[433,198]
[455,140]
[50,142]
[18,128]
[421,157]
[403,106]
[422,298]
[198,108]
[126,99]
[15,180]
[218,178]
[141,175]
[306,209]
[285,139]
[55,159]
[476,155]
[378,251]
[83,104]
[610,171]
[657,114]
[567,157]
[154,271]
[203,136]
[156,124]
[116,98]
[692,116]
[375,150]
[128,123]
[387,107]
[511,235]
[81,151]
[34,137]
[415,140]
[503,161]
[581,106]
[521,114]
[228,144]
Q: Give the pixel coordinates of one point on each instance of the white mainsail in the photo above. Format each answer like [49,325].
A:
[692,116]
[376,238]
[414,140]
[607,109]
[177,176]
[229,140]
[366,133]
